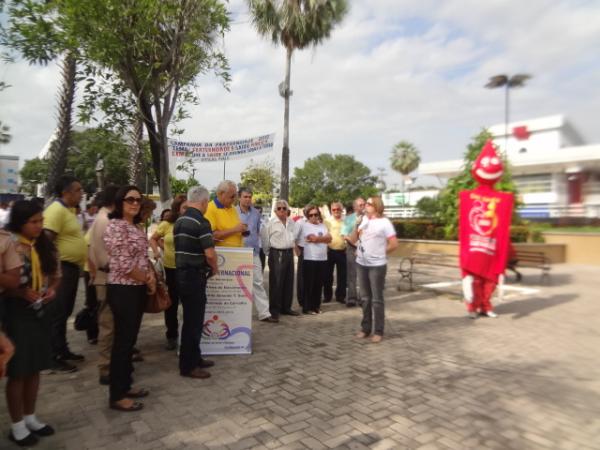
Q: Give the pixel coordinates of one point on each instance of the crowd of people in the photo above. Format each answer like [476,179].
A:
[44,253]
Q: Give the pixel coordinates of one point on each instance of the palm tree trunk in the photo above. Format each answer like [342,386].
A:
[59,148]
[285,151]
[137,158]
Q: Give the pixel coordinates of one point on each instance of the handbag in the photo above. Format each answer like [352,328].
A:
[158,301]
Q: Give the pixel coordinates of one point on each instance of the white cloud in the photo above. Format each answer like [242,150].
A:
[395,69]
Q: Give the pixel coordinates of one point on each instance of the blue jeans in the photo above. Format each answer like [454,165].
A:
[372,282]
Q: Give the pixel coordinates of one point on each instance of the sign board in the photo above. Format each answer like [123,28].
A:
[227,326]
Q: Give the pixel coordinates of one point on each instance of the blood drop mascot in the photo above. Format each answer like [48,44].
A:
[484,233]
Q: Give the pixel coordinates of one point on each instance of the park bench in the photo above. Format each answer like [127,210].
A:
[432,265]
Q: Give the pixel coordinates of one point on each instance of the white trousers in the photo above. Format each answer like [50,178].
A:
[261,300]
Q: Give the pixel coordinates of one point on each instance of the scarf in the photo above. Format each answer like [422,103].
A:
[36,266]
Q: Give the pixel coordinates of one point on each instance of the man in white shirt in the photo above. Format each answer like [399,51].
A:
[278,240]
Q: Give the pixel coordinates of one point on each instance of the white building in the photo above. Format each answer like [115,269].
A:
[9,174]
[556,172]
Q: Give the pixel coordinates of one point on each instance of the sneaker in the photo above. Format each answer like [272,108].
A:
[171,344]
[491,314]
[70,356]
[59,365]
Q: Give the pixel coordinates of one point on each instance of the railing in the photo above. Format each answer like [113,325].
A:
[589,211]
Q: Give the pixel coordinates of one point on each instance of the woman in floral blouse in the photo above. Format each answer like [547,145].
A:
[129,280]
[27,321]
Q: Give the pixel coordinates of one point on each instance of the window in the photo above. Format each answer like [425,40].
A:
[529,184]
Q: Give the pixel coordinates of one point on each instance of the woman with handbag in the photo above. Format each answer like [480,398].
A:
[130,279]
[27,322]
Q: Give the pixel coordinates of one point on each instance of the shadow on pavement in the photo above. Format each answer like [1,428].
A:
[525,307]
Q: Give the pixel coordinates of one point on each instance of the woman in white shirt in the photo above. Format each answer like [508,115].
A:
[314,264]
[375,237]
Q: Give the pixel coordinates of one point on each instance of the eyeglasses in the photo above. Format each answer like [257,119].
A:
[281,208]
[313,215]
[133,200]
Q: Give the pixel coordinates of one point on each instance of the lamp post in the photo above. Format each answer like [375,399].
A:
[507,82]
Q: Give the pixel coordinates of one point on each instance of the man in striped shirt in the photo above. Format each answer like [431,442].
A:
[195,261]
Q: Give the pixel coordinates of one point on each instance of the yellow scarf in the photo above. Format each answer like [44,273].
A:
[36,266]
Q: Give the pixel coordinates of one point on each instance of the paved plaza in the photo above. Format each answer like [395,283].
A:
[529,379]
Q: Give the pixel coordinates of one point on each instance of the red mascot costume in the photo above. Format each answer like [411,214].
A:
[484,233]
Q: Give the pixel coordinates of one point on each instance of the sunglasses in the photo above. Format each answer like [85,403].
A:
[314,215]
[369,204]
[281,208]
[133,200]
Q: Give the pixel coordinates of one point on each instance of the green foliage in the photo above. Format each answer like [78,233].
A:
[147,53]
[83,155]
[34,172]
[435,231]
[5,136]
[262,179]
[297,24]
[179,186]
[405,158]
[464,181]
[326,178]
[429,207]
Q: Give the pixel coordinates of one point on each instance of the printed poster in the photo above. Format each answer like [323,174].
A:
[228,318]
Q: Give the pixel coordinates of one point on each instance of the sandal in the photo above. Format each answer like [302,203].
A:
[139,393]
[135,406]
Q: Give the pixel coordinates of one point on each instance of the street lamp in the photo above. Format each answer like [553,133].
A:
[507,82]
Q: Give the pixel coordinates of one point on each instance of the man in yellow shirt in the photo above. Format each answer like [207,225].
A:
[336,256]
[223,217]
[62,227]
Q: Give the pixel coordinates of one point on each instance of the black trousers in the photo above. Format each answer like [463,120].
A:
[62,307]
[299,279]
[313,274]
[281,281]
[171,321]
[127,304]
[336,259]
[263,258]
[91,303]
[191,285]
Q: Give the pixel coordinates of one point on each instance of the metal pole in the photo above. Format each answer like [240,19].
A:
[224,162]
[506,118]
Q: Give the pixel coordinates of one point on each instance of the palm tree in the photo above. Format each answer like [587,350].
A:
[405,159]
[295,24]
[59,148]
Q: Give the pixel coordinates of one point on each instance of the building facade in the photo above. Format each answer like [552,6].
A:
[557,173]
[9,174]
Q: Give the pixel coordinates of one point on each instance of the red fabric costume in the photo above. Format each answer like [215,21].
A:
[484,229]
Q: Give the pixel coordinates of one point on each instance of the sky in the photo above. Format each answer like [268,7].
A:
[393,70]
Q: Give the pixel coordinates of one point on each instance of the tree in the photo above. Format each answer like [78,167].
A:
[295,24]
[179,186]
[86,147]
[154,50]
[34,31]
[448,197]
[405,159]
[326,178]
[429,207]
[262,179]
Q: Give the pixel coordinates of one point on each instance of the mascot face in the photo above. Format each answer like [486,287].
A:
[487,168]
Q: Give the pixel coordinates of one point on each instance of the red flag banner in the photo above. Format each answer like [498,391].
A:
[484,231]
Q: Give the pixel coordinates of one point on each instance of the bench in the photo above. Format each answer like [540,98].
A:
[531,259]
[422,263]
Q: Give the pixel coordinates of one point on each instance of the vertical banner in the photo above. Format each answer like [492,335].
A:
[228,318]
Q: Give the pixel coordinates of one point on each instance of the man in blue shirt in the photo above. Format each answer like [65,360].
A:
[353,217]
[252,218]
